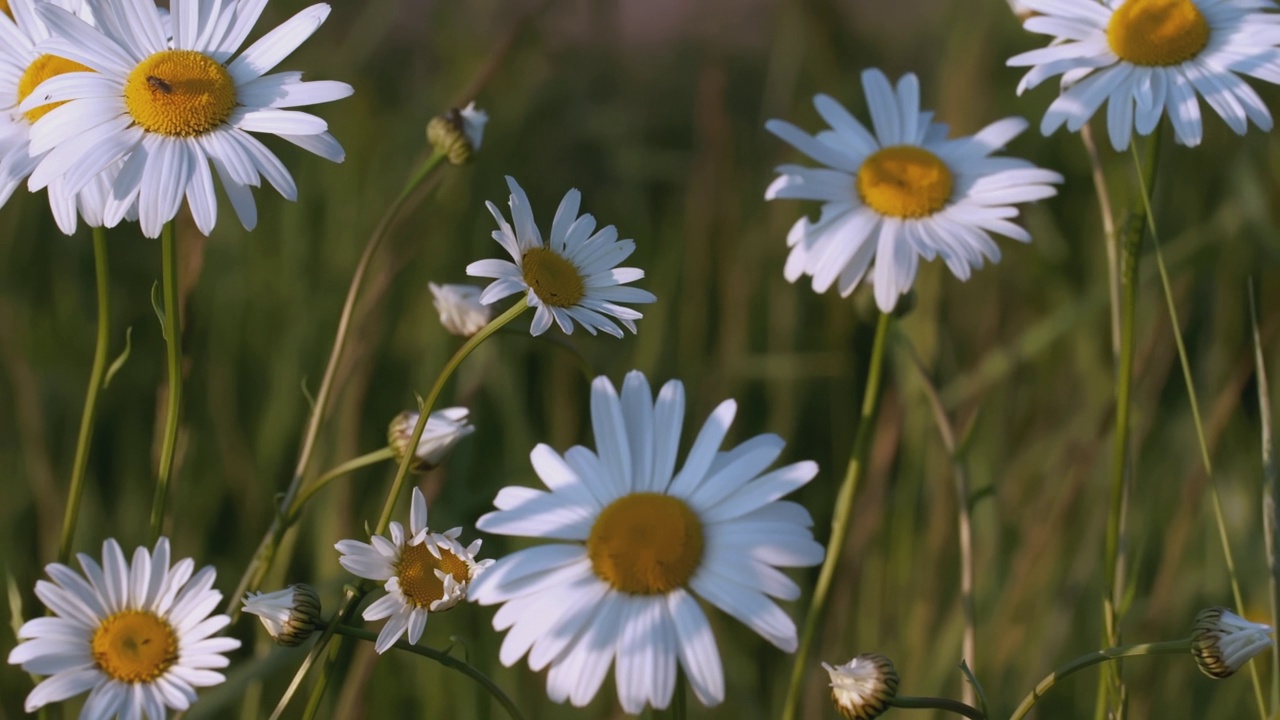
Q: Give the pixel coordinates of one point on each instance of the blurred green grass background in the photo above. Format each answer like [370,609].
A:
[655,111]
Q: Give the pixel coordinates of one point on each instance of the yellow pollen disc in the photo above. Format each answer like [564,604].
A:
[554,279]
[180,93]
[646,544]
[417,575]
[134,646]
[904,181]
[41,69]
[1157,32]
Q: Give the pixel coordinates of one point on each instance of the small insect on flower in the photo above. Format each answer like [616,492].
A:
[159,85]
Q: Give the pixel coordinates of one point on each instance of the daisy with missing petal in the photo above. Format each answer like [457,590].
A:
[900,194]
[169,109]
[574,277]
[137,636]
[23,68]
[424,572]
[638,543]
[1146,57]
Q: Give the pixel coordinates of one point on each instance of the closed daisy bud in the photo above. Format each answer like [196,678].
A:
[444,429]
[289,615]
[863,687]
[1223,642]
[458,133]
[460,310]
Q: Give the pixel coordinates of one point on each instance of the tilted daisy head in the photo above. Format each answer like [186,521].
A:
[637,542]
[573,277]
[445,428]
[137,635]
[21,30]
[169,108]
[903,193]
[461,311]
[423,572]
[1146,57]
[1222,641]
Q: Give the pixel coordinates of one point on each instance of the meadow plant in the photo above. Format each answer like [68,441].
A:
[608,558]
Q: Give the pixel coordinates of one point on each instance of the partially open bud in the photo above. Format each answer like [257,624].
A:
[458,133]
[460,310]
[1223,642]
[444,429]
[863,687]
[289,615]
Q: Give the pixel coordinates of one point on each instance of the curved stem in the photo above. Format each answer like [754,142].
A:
[933,703]
[840,518]
[329,476]
[425,411]
[96,374]
[173,346]
[1172,647]
[446,660]
[265,553]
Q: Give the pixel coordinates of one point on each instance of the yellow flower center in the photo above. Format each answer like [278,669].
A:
[646,544]
[41,69]
[1157,32]
[904,181]
[555,280]
[417,573]
[180,93]
[4,8]
[134,646]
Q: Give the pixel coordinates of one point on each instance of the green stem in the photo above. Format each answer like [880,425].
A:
[350,466]
[840,518]
[96,375]
[446,660]
[265,553]
[1172,647]
[342,617]
[471,344]
[933,703]
[1270,491]
[173,345]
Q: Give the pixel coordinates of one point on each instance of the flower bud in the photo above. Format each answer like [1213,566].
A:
[862,688]
[444,429]
[289,615]
[460,310]
[1223,642]
[458,133]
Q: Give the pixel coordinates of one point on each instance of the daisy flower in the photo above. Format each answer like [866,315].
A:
[424,572]
[1145,57]
[460,310]
[573,278]
[138,636]
[169,109]
[445,428]
[638,543]
[902,193]
[24,68]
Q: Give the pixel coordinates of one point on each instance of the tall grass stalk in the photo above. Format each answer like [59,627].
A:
[1270,491]
[841,515]
[97,373]
[1172,647]
[173,355]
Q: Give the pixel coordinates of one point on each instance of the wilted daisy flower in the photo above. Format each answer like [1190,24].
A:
[443,431]
[1223,642]
[573,277]
[424,572]
[904,193]
[289,615]
[862,688]
[170,108]
[138,636]
[25,68]
[1143,57]
[461,312]
[637,542]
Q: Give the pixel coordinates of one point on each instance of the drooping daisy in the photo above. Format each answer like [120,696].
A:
[638,543]
[904,193]
[289,615]
[137,636]
[424,572]
[461,311]
[169,109]
[1143,57]
[574,277]
[22,68]
[445,428]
